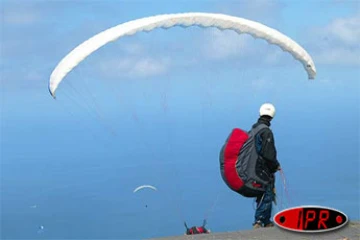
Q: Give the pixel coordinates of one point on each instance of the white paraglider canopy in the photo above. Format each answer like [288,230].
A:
[220,21]
[143,187]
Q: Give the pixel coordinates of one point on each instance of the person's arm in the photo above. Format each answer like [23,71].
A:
[268,151]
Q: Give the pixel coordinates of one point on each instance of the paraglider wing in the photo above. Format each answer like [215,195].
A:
[220,21]
[145,186]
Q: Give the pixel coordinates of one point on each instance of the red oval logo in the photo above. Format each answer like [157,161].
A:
[310,219]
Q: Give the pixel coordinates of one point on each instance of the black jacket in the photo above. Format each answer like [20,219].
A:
[267,143]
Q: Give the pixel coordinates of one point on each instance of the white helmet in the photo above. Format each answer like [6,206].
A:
[267,109]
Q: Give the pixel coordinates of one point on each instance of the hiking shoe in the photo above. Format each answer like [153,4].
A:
[269,224]
[257,225]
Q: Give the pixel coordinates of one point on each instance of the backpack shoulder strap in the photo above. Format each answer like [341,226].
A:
[257,129]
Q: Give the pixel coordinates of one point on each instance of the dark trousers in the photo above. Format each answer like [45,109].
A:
[264,206]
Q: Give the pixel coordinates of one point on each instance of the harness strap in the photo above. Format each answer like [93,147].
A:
[204,223]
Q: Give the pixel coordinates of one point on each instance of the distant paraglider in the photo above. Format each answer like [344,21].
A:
[144,187]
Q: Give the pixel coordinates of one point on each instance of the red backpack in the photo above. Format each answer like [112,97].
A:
[238,159]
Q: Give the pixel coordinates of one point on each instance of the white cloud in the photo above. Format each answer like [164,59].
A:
[134,66]
[35,76]
[347,30]
[274,56]
[228,44]
[148,67]
[131,48]
[19,16]
[339,55]
[337,42]
[220,45]
[135,61]
[225,44]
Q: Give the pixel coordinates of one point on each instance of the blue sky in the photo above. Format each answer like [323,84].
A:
[155,108]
